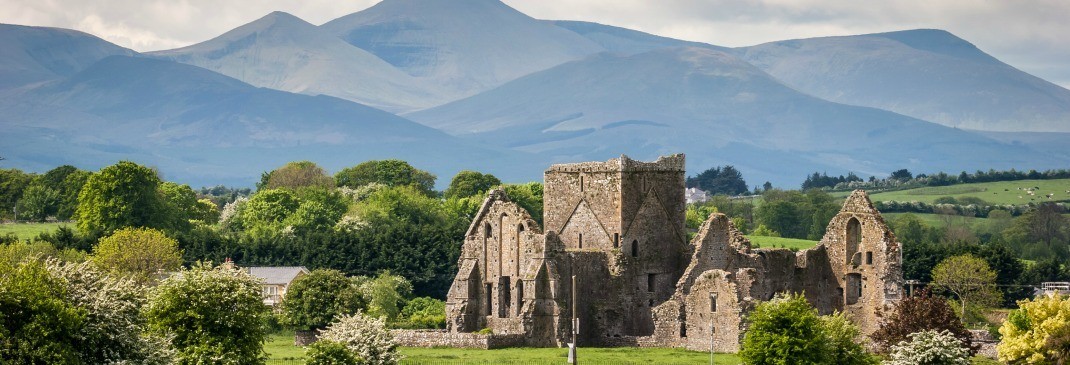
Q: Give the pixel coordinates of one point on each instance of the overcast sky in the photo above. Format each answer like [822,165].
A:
[1032,35]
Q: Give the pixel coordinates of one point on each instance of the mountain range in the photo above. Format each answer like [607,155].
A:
[475,84]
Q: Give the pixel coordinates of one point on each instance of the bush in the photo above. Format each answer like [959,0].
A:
[930,348]
[923,312]
[331,353]
[787,330]
[1037,332]
[314,300]
[423,313]
[365,336]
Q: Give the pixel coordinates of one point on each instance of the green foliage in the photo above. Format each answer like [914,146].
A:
[785,330]
[297,175]
[180,202]
[423,312]
[719,181]
[142,253]
[930,348]
[527,196]
[331,353]
[922,312]
[1037,333]
[842,335]
[12,183]
[266,210]
[16,252]
[205,211]
[970,279]
[211,315]
[365,336]
[314,300]
[122,195]
[38,202]
[38,325]
[386,172]
[764,231]
[385,295]
[470,183]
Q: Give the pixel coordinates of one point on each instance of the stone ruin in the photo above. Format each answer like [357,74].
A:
[618,227]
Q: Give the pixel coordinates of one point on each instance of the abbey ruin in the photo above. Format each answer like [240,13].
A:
[618,227]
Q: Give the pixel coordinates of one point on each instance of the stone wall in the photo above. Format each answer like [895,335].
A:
[442,338]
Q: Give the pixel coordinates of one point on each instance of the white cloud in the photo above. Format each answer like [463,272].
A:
[1027,34]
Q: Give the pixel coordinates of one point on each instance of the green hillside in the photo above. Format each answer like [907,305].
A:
[780,242]
[1000,192]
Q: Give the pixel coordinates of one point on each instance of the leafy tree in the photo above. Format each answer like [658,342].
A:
[121,195]
[781,216]
[1045,227]
[785,330]
[143,253]
[296,175]
[267,209]
[205,211]
[211,315]
[38,325]
[719,180]
[331,353]
[970,279]
[527,196]
[1049,269]
[922,312]
[901,175]
[470,183]
[38,202]
[930,348]
[386,172]
[180,202]
[67,181]
[312,216]
[12,184]
[1037,333]
[17,251]
[385,295]
[366,336]
[764,231]
[314,300]
[424,312]
[842,335]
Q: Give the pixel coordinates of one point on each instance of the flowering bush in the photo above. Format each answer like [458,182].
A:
[930,348]
[367,337]
[331,353]
[1038,332]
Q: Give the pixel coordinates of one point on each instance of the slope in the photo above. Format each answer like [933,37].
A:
[30,55]
[623,40]
[204,128]
[466,46]
[928,74]
[715,107]
[281,51]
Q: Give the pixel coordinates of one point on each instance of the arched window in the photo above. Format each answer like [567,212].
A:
[854,239]
[519,296]
[486,237]
[519,230]
[635,248]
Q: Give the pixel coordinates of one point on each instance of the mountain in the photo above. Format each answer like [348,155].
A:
[623,40]
[465,46]
[31,55]
[201,127]
[714,107]
[927,74]
[283,52]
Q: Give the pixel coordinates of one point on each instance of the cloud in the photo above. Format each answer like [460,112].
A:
[1026,34]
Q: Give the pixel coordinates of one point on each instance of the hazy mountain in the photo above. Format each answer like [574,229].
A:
[717,109]
[201,127]
[623,40]
[283,52]
[928,74]
[465,46]
[30,55]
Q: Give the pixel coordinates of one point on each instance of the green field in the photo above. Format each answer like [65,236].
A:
[779,242]
[937,220]
[27,231]
[617,355]
[1001,192]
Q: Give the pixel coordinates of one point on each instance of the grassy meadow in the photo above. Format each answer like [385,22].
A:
[780,242]
[1000,192]
[27,231]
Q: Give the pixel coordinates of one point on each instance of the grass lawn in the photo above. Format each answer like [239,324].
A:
[936,220]
[1000,192]
[779,242]
[27,231]
[280,346]
[617,355]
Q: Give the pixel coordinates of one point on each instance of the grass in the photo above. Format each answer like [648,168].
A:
[780,242]
[27,231]
[999,192]
[616,355]
[937,220]
[280,346]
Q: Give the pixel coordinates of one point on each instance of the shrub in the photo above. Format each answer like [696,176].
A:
[785,330]
[365,336]
[1037,332]
[920,313]
[423,312]
[314,300]
[930,348]
[331,353]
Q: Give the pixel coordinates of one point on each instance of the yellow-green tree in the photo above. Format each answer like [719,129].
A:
[1037,333]
[122,195]
[970,279]
[143,253]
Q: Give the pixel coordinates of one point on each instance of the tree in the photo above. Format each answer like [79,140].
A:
[385,295]
[212,315]
[366,336]
[331,353]
[470,183]
[386,172]
[267,209]
[424,312]
[296,175]
[206,211]
[527,196]
[143,253]
[785,330]
[922,312]
[930,348]
[901,175]
[1038,332]
[121,195]
[38,202]
[970,279]
[180,203]
[842,335]
[67,181]
[12,184]
[314,300]
[719,180]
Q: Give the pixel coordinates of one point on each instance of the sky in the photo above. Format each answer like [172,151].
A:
[1027,34]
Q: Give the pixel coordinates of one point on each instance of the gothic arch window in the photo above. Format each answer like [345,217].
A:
[486,237]
[853,240]
[519,230]
[635,248]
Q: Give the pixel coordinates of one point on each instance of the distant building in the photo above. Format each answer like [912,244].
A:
[1054,287]
[696,195]
[276,280]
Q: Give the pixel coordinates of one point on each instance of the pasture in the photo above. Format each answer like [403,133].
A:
[27,231]
[780,242]
[999,192]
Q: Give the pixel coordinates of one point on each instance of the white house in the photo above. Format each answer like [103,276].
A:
[276,280]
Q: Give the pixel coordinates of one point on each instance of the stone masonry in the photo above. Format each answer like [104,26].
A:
[618,227]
